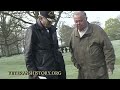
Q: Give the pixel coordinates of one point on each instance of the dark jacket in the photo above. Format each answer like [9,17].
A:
[92,54]
[41,51]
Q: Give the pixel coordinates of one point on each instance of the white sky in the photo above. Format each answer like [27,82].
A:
[101,16]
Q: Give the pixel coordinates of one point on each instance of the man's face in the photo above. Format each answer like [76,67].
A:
[46,22]
[80,22]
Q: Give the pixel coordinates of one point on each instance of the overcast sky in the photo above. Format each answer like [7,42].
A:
[101,16]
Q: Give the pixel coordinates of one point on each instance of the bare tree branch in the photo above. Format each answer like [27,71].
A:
[16,17]
[60,12]
[16,41]
[28,12]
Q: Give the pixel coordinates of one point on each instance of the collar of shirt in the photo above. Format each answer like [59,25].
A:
[81,33]
[47,30]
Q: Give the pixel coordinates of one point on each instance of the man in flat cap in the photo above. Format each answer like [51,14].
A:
[41,49]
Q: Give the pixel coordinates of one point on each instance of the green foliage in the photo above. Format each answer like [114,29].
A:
[112,28]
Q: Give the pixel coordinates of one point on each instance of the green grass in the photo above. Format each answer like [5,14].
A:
[116,45]
[71,71]
[14,63]
[17,63]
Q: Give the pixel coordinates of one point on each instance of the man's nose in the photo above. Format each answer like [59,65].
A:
[78,23]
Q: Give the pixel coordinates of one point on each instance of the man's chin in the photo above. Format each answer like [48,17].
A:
[81,29]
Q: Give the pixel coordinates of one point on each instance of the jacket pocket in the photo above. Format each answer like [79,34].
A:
[95,49]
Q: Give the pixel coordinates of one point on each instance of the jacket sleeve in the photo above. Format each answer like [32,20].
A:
[108,51]
[72,54]
[29,55]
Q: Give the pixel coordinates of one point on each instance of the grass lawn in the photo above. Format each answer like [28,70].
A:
[17,63]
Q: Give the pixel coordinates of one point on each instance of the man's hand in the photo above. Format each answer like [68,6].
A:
[110,72]
[77,66]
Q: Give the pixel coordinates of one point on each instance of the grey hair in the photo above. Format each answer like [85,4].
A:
[81,13]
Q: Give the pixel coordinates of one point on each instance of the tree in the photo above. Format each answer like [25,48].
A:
[13,25]
[32,14]
[112,28]
[65,33]
[9,36]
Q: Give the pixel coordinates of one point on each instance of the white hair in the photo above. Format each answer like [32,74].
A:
[81,13]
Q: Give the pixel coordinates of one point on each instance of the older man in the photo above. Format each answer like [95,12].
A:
[91,50]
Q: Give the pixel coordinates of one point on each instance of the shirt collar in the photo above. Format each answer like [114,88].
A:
[89,30]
